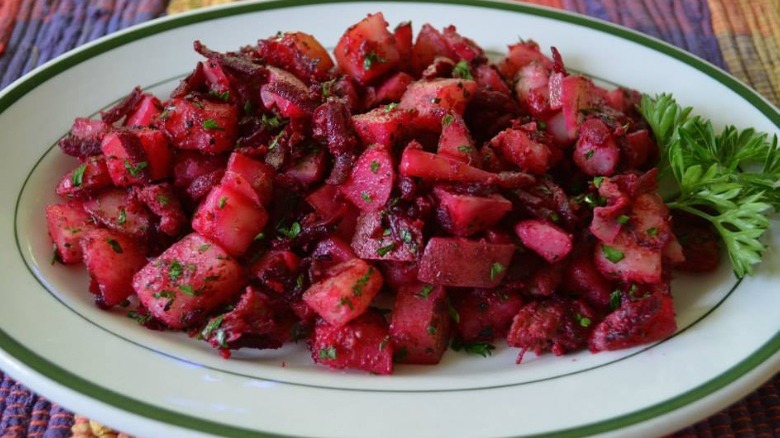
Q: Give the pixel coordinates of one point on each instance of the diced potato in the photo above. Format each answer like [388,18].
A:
[86,179]
[433,99]
[229,219]
[202,125]
[386,125]
[367,50]
[544,238]
[120,211]
[345,293]
[287,94]
[187,281]
[463,214]
[647,318]
[362,344]
[299,53]
[112,259]
[67,224]
[371,181]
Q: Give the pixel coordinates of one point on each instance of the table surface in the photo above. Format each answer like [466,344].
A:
[740,36]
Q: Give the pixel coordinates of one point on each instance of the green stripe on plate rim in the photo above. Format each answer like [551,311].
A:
[80,385]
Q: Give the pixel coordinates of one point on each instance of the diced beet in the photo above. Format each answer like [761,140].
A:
[545,239]
[274,267]
[606,224]
[435,98]
[518,147]
[87,179]
[254,322]
[393,88]
[125,158]
[383,125]
[453,261]
[199,124]
[520,55]
[362,344]
[484,315]
[299,53]
[332,126]
[287,94]
[163,201]
[329,205]
[112,259]
[429,44]
[421,324]
[544,280]
[596,152]
[190,279]
[397,274]
[145,112]
[463,215]
[635,322]
[638,149]
[120,211]
[189,165]
[553,324]
[334,249]
[122,108]
[217,80]
[202,185]
[327,253]
[455,141]
[649,221]
[367,50]
[229,219]
[326,201]
[377,240]
[371,181]
[627,261]
[699,242]
[67,224]
[309,169]
[84,138]
[345,293]
[583,279]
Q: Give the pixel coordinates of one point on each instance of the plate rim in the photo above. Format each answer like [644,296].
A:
[32,361]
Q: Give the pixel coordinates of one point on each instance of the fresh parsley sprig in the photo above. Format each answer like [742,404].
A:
[730,179]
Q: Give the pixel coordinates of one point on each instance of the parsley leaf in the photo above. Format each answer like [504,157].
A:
[77,178]
[729,178]
[462,70]
[483,349]
[211,124]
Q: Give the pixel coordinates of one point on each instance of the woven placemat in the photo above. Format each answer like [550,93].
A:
[742,36]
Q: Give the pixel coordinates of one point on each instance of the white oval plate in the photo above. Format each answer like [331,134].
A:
[162,384]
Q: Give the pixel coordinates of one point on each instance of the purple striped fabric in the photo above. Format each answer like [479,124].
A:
[44,29]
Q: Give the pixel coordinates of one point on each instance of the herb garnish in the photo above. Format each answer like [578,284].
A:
[729,178]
